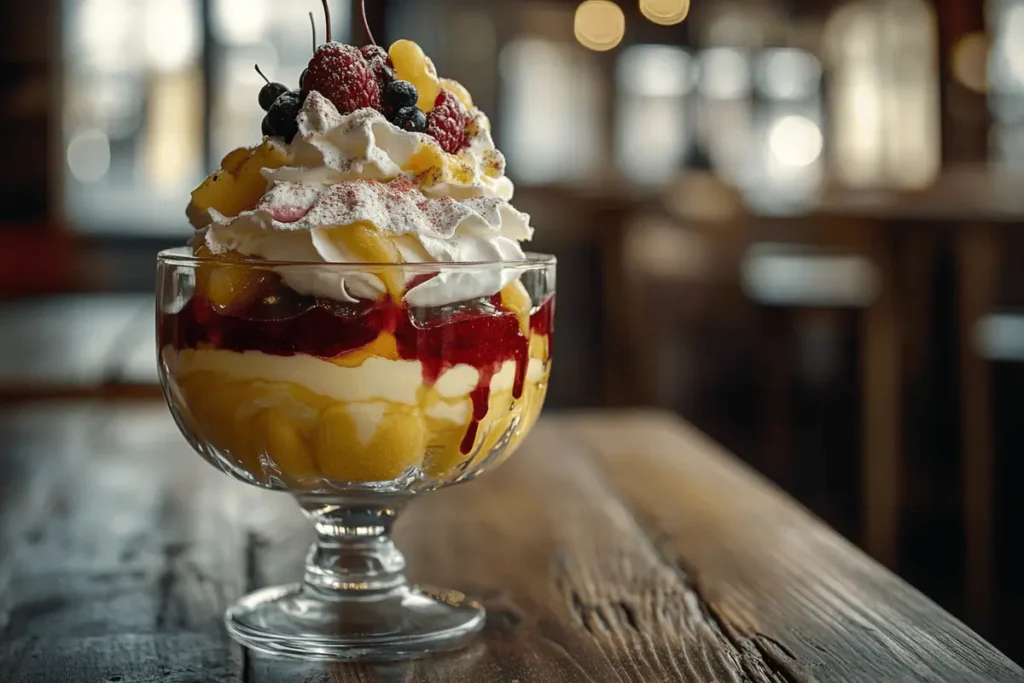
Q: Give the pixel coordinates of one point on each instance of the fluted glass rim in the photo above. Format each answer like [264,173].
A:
[184,257]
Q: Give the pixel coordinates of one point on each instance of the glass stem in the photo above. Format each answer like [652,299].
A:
[353,555]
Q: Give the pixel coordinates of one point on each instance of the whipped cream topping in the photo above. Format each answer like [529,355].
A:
[332,146]
[427,207]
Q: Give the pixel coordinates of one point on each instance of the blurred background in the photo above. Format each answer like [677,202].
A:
[794,222]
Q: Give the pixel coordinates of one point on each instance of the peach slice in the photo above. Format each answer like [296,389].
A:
[280,439]
[368,442]
[230,288]
[411,64]
[239,184]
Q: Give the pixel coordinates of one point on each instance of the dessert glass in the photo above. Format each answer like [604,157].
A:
[353,408]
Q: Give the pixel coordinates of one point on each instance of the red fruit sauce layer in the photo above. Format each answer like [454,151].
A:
[482,334]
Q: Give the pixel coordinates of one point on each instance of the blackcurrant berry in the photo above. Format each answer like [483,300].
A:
[302,80]
[268,130]
[410,118]
[399,95]
[269,94]
[385,74]
[283,113]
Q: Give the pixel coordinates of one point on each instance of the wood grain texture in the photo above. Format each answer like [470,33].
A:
[773,575]
[613,548]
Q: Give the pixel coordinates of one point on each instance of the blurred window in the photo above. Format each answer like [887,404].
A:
[550,111]
[138,129]
[761,122]
[1006,81]
[654,125]
[884,93]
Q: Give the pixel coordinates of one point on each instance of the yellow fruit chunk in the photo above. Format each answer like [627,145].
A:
[278,437]
[239,184]
[217,405]
[411,64]
[229,287]
[428,163]
[516,299]
[432,165]
[540,347]
[459,91]
[370,245]
[369,442]
[384,346]
[532,403]
[233,160]
[445,448]
[366,241]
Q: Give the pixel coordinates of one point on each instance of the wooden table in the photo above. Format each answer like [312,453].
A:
[615,547]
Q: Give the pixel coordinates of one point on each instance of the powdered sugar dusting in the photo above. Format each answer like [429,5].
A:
[332,147]
[288,202]
[428,206]
[395,208]
[342,75]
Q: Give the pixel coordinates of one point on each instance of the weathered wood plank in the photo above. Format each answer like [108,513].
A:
[117,560]
[618,548]
[773,576]
[575,590]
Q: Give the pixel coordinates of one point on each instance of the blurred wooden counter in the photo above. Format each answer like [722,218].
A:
[615,547]
[77,345]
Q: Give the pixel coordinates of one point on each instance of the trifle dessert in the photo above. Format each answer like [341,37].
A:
[355,308]
[355,322]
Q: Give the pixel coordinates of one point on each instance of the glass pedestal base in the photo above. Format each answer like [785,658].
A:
[405,622]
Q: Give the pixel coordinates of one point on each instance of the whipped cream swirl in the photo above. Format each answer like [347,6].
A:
[351,171]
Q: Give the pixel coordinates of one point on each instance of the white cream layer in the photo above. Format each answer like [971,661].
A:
[377,379]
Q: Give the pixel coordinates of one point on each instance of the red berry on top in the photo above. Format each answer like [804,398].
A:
[380,63]
[341,74]
[447,122]
[372,52]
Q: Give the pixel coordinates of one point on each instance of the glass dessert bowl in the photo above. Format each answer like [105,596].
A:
[355,322]
[353,407]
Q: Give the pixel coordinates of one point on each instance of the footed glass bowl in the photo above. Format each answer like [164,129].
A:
[353,388]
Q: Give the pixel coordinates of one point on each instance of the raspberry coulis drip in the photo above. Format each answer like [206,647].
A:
[542,322]
[483,335]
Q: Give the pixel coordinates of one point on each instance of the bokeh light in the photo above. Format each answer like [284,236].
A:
[665,12]
[788,74]
[171,34]
[796,141]
[89,155]
[241,22]
[600,25]
[970,61]
[725,74]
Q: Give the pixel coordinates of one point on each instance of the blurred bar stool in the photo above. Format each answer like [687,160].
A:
[971,211]
[881,268]
[678,311]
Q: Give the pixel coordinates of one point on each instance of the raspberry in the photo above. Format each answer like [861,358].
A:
[447,122]
[372,52]
[380,64]
[341,74]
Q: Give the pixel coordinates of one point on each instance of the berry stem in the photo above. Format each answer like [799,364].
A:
[312,26]
[327,15]
[260,72]
[366,24]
